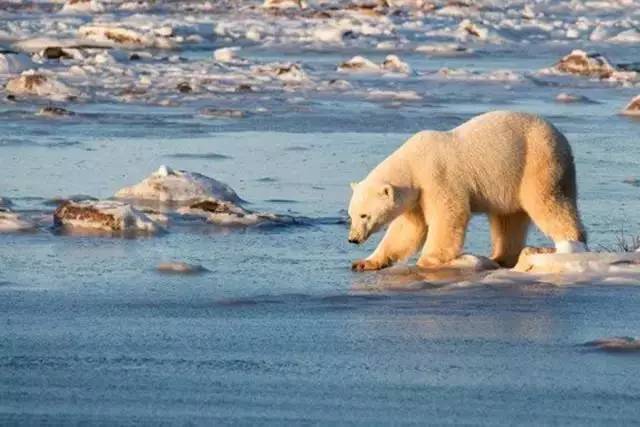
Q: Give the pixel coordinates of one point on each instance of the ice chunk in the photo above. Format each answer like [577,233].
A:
[111,216]
[283,4]
[570,98]
[167,185]
[228,55]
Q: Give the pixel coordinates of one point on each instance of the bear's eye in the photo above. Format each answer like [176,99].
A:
[363,216]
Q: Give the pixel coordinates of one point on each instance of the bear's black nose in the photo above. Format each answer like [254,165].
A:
[352,240]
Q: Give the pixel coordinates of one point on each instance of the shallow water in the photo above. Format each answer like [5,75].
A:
[279,329]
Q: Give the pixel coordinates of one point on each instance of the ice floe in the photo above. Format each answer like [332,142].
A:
[168,185]
[105,215]
[82,6]
[571,98]
[581,63]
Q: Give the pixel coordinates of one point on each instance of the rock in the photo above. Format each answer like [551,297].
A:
[55,52]
[110,216]
[285,72]
[633,107]
[581,63]
[31,83]
[13,222]
[176,186]
[616,344]
[180,267]
[468,28]
[184,87]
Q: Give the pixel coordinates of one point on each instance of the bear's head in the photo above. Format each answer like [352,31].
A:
[373,205]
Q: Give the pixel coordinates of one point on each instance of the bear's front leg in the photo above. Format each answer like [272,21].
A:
[404,236]
[445,240]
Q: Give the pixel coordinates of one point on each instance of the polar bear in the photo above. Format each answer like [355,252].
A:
[514,167]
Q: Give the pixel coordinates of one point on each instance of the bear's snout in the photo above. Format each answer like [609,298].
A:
[354,240]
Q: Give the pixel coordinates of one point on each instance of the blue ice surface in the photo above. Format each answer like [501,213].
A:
[280,330]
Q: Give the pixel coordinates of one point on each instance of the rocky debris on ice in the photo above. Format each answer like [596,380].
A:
[32,83]
[361,65]
[167,185]
[125,37]
[14,63]
[632,108]
[180,267]
[104,215]
[547,261]
[228,214]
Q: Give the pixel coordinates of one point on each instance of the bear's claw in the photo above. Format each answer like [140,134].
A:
[364,264]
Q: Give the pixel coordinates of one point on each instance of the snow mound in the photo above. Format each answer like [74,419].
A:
[167,185]
[546,261]
[110,216]
[228,214]
[13,222]
[120,36]
[633,107]
[32,83]
[80,6]
[360,64]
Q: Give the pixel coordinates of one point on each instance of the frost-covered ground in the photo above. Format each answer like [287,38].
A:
[267,324]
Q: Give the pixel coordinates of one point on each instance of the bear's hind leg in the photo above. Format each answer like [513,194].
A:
[558,218]
[405,235]
[508,237]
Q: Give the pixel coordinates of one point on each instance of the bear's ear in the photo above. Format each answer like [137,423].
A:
[353,185]
[387,191]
